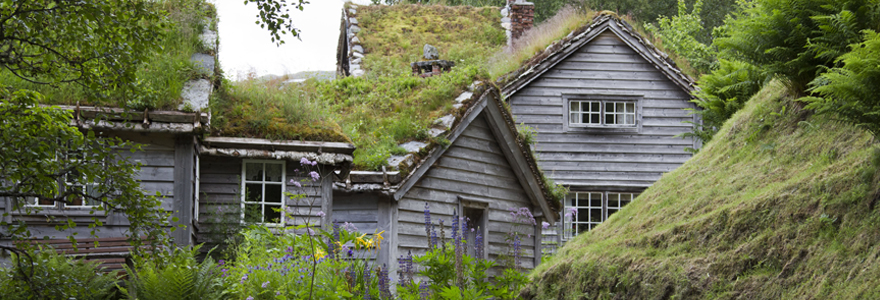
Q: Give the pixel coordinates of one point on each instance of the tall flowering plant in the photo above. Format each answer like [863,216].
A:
[300,260]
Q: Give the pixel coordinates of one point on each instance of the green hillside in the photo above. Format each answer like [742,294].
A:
[780,205]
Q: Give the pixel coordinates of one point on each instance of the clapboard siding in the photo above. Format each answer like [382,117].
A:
[473,166]
[359,209]
[220,196]
[606,65]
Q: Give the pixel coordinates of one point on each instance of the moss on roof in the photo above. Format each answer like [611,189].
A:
[164,73]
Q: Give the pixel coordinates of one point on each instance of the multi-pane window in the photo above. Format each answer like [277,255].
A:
[82,193]
[263,184]
[605,112]
[586,210]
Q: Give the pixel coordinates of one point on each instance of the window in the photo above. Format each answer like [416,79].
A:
[263,185]
[604,113]
[68,183]
[611,113]
[592,208]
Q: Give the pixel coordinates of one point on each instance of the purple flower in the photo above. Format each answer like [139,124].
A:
[424,293]
[221,262]
[296,184]
[517,250]
[545,225]
[311,232]
[277,293]
[349,227]
[428,225]
[321,214]
[250,298]
[243,278]
[314,175]
[478,244]
[571,211]
[265,284]
[305,161]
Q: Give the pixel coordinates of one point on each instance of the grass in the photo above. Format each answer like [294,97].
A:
[780,205]
[163,75]
[271,109]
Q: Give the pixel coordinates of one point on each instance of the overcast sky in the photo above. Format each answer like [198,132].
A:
[244,46]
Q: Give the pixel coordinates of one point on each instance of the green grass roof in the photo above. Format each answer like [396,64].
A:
[781,204]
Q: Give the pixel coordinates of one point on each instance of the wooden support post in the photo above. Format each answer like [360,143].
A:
[183,190]
[327,199]
[538,240]
[384,224]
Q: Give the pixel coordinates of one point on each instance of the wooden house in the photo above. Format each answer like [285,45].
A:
[607,107]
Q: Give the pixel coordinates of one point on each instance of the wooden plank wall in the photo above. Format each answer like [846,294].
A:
[473,166]
[606,65]
[156,175]
[220,197]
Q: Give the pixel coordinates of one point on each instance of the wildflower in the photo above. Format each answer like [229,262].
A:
[516,251]
[424,292]
[545,225]
[296,183]
[250,298]
[384,282]
[349,227]
[314,175]
[321,214]
[305,162]
[221,262]
[367,280]
[243,278]
[377,238]
[277,293]
[428,225]
[265,284]
[311,232]
[478,244]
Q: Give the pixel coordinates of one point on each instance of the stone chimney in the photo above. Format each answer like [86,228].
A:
[522,17]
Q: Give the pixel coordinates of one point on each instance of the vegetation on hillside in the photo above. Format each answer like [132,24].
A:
[782,204]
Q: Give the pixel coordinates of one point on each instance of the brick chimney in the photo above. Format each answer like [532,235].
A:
[522,16]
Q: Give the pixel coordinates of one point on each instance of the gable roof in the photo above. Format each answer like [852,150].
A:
[516,150]
[602,22]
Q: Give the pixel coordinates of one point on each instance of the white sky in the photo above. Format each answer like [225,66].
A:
[245,47]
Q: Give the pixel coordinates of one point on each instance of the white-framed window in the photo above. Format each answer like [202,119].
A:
[263,198]
[591,209]
[602,112]
[67,184]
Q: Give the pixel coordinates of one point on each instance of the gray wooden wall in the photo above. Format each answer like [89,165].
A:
[475,167]
[220,197]
[156,175]
[606,65]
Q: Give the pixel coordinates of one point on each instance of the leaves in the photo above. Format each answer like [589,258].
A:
[274,16]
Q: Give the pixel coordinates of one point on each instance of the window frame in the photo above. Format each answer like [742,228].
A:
[263,203]
[603,100]
[63,185]
[569,226]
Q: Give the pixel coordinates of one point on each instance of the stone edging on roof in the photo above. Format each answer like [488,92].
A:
[355,53]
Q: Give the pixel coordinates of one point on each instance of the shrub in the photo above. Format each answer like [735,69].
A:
[44,274]
[173,274]
[850,91]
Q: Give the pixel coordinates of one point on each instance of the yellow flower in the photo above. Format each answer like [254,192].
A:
[360,240]
[319,254]
[377,238]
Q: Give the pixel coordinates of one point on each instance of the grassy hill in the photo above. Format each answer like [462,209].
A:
[780,205]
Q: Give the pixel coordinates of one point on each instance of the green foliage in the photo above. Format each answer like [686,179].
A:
[173,274]
[850,91]
[796,40]
[47,275]
[679,34]
[722,93]
[39,150]
[712,14]
[141,61]
[274,16]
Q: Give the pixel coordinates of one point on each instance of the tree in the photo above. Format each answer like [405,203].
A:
[275,17]
[95,43]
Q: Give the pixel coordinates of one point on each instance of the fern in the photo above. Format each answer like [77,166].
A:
[174,275]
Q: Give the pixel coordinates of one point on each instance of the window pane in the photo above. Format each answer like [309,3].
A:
[594,119]
[575,118]
[44,201]
[610,119]
[596,202]
[271,215]
[582,228]
[273,172]
[630,119]
[594,106]
[620,107]
[596,215]
[583,215]
[611,212]
[631,107]
[575,106]
[76,199]
[92,190]
[253,192]
[273,193]
[254,172]
[253,213]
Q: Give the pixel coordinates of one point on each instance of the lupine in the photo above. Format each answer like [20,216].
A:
[456,241]
[367,282]
[455,228]
[424,292]
[442,234]
[384,282]
[401,271]
[409,265]
[428,225]
[433,237]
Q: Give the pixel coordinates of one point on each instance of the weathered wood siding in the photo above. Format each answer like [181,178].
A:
[359,209]
[220,197]
[606,65]
[156,175]
[474,167]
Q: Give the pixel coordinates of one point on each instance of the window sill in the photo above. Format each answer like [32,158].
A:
[602,129]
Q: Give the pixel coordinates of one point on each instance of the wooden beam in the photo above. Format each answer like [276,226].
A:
[183,190]
[287,145]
